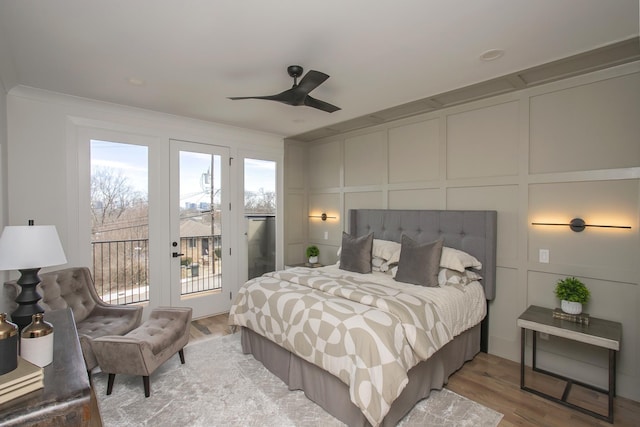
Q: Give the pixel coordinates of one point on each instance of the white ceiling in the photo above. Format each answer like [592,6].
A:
[193,54]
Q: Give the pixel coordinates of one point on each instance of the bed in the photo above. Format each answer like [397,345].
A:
[340,368]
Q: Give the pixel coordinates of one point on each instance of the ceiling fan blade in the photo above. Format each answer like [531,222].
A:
[291,96]
[320,105]
[310,81]
[269,97]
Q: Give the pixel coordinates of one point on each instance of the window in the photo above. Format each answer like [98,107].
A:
[119,205]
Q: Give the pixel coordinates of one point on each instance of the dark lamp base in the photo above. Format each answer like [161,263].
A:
[28,298]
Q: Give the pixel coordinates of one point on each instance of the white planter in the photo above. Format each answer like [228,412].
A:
[313,260]
[571,307]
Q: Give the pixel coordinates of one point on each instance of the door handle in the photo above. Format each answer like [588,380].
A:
[176,255]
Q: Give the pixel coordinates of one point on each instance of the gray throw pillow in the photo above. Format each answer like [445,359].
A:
[419,262]
[356,253]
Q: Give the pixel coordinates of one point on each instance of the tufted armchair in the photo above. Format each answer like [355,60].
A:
[73,288]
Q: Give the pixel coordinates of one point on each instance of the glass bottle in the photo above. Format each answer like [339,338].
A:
[8,345]
[36,342]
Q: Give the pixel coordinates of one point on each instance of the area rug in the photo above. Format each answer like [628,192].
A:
[220,386]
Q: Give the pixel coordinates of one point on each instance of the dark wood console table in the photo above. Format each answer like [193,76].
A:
[65,399]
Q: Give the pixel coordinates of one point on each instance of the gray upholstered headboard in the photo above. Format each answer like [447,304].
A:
[471,231]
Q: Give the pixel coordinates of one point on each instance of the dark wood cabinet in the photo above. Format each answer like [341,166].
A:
[65,399]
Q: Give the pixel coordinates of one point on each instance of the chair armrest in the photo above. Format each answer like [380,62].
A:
[122,355]
[103,321]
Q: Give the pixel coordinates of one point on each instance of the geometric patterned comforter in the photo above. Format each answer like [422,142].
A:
[365,333]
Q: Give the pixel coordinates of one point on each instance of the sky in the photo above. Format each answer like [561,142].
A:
[129,159]
[132,160]
[197,178]
[259,174]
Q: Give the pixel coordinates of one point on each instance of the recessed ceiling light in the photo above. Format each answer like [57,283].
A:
[135,81]
[492,54]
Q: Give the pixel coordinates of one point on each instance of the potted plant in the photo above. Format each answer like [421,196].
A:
[312,254]
[572,294]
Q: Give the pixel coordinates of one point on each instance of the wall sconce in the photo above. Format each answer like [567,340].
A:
[323,216]
[578,225]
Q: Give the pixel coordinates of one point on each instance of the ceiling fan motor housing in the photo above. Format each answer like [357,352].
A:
[295,71]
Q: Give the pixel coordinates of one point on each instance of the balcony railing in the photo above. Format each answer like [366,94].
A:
[121,268]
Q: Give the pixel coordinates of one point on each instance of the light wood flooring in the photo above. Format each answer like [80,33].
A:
[495,383]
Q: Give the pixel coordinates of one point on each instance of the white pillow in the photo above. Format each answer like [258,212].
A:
[454,259]
[387,250]
[458,260]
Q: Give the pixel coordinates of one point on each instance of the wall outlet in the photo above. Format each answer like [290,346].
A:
[543,256]
[326,235]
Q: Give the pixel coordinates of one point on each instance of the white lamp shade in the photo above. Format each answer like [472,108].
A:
[30,246]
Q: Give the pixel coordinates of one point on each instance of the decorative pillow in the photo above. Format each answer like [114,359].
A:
[387,250]
[379,264]
[458,260]
[419,262]
[448,277]
[393,271]
[472,275]
[356,253]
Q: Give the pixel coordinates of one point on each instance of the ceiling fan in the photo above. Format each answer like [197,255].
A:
[299,92]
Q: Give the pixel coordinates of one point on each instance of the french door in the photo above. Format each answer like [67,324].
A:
[160,229]
[199,227]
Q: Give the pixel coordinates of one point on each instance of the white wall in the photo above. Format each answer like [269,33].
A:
[550,153]
[42,153]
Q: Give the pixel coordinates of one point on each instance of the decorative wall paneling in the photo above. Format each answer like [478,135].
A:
[566,149]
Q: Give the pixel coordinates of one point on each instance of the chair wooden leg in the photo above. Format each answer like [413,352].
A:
[181,353]
[110,383]
[147,391]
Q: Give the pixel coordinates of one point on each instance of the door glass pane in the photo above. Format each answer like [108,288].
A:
[200,222]
[120,221]
[260,215]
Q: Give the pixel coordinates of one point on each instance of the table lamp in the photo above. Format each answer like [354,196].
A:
[27,249]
